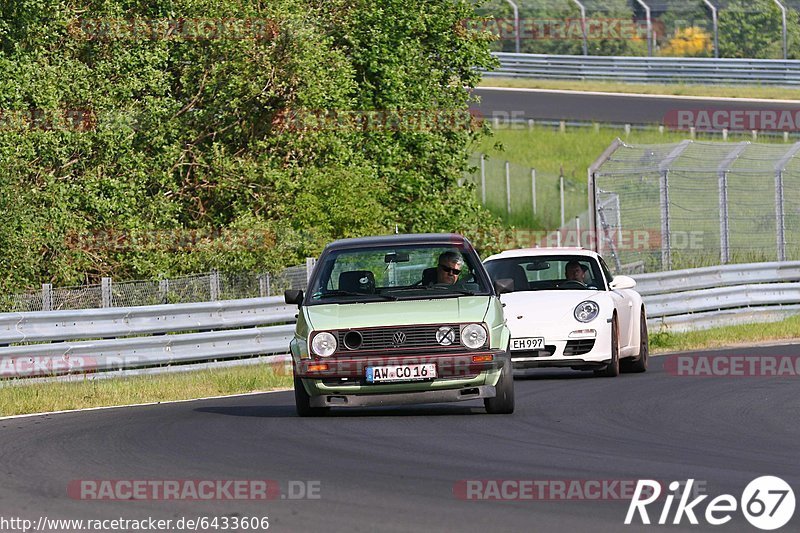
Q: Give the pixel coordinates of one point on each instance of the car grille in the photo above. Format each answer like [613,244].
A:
[579,347]
[404,338]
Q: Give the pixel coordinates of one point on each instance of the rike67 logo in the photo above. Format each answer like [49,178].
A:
[767,503]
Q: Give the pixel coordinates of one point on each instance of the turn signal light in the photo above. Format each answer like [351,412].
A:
[317,367]
[482,358]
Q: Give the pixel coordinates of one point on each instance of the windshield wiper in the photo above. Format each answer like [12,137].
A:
[450,288]
[337,292]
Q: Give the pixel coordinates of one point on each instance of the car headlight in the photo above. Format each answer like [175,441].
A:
[323,344]
[473,336]
[586,311]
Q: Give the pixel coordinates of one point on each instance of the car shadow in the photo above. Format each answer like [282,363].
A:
[288,411]
[552,374]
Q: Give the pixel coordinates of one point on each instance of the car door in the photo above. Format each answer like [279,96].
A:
[623,303]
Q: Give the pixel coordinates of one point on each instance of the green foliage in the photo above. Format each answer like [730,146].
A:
[143,132]
[753,29]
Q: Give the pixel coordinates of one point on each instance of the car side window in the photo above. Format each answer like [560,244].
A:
[606,271]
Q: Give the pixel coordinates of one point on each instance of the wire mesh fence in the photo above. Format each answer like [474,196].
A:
[524,197]
[206,287]
[694,204]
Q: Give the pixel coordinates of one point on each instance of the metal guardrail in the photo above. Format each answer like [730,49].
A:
[148,336]
[648,69]
[706,297]
[140,337]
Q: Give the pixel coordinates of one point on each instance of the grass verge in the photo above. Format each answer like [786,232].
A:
[727,336]
[64,396]
[750,91]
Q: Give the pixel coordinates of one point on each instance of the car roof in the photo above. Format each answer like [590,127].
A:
[452,239]
[537,252]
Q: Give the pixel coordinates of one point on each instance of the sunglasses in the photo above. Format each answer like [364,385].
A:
[449,270]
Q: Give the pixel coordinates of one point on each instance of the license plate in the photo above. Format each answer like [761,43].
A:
[528,343]
[383,374]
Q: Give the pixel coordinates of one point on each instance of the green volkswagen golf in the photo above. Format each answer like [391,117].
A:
[400,319]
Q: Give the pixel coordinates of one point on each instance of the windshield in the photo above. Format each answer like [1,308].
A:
[398,273]
[548,272]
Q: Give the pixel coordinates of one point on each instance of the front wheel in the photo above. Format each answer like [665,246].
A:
[503,402]
[302,401]
[612,369]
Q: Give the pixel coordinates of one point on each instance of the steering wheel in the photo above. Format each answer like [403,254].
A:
[572,283]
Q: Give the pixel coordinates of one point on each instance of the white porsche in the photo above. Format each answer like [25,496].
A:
[565,309]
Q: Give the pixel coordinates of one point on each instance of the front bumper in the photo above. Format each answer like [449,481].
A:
[405,398]
[449,366]
[563,351]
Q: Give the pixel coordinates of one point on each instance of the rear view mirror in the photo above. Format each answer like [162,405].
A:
[539,265]
[504,285]
[293,296]
[401,257]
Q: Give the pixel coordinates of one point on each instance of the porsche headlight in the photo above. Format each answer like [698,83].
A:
[473,336]
[586,311]
[323,344]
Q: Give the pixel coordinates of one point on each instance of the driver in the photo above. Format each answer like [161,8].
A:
[574,271]
[449,267]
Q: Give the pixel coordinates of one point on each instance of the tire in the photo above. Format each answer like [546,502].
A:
[612,369]
[503,402]
[302,401]
[639,364]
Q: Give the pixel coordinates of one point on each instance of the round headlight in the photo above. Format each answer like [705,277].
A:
[323,344]
[586,311]
[473,336]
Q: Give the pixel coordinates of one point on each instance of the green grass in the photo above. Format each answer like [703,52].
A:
[664,341]
[44,397]
[768,93]
[554,153]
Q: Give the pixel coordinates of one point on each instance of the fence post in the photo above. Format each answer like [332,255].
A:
[214,285]
[483,179]
[163,290]
[508,188]
[47,296]
[263,285]
[666,256]
[578,230]
[561,186]
[533,188]
[779,218]
[309,267]
[105,291]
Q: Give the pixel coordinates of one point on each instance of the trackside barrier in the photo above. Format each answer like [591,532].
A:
[729,71]
[706,297]
[94,340]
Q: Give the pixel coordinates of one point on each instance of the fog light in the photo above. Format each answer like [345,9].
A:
[583,334]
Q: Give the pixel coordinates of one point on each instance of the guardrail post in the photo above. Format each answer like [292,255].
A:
[47,296]
[213,286]
[105,291]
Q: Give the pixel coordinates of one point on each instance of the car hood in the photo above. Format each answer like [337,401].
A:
[545,306]
[399,313]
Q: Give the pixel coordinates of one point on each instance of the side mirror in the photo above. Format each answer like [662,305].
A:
[504,285]
[293,296]
[622,282]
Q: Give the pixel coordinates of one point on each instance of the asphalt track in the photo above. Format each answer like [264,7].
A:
[393,469]
[543,104]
